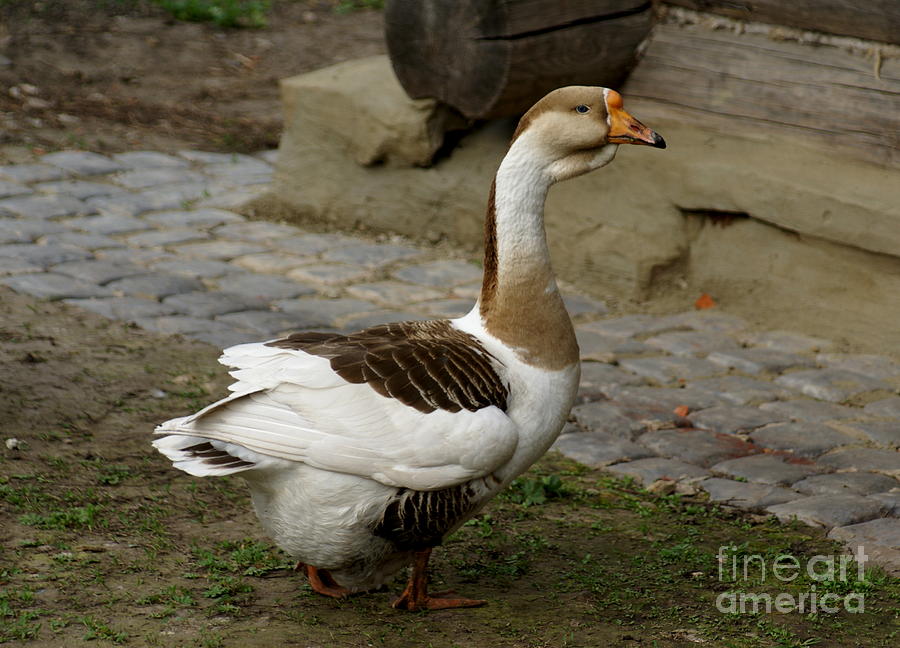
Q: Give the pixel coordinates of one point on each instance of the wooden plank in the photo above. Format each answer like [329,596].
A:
[495,58]
[522,17]
[871,19]
[824,94]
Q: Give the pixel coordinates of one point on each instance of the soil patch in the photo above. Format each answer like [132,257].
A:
[113,76]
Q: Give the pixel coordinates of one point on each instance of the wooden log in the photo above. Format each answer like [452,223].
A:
[871,19]
[494,58]
[750,83]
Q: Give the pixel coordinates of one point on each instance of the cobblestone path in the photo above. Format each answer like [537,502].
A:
[764,420]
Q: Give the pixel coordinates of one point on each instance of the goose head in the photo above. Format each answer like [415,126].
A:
[577,129]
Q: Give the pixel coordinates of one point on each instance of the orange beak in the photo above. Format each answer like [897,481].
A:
[625,129]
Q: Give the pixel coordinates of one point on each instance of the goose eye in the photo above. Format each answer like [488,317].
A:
[581,108]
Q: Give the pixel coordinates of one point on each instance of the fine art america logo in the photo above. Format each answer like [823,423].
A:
[741,569]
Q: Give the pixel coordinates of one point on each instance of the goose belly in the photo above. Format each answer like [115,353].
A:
[539,404]
[326,519]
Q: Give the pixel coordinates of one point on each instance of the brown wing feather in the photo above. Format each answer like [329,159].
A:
[426,365]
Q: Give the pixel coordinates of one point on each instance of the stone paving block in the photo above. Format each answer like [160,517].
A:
[222,338]
[241,172]
[43,255]
[149,159]
[17,230]
[664,399]
[755,361]
[697,447]
[80,189]
[144,257]
[647,471]
[8,189]
[82,162]
[855,483]
[14,265]
[121,205]
[182,324]
[828,511]
[227,198]
[392,293]
[629,325]
[732,419]
[264,231]
[741,390]
[324,312]
[108,224]
[165,237]
[606,348]
[377,318]
[880,540]
[767,469]
[97,271]
[786,341]
[273,262]
[210,304]
[43,206]
[585,307]
[884,408]
[706,320]
[597,450]
[219,250]
[691,343]
[439,274]
[155,286]
[207,157]
[605,417]
[746,495]
[882,433]
[173,196]
[200,218]
[891,502]
[123,308]
[470,291]
[809,410]
[270,156]
[371,255]
[152,177]
[81,240]
[329,274]
[308,244]
[803,439]
[862,459]
[264,322]
[874,366]
[448,308]
[200,268]
[264,286]
[665,369]
[48,285]
[27,173]
[834,385]
[598,377]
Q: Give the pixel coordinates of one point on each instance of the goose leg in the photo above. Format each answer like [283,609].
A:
[323,582]
[415,597]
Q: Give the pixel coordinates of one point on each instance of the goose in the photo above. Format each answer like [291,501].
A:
[363,452]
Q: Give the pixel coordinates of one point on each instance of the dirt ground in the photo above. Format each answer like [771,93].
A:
[102,540]
[116,75]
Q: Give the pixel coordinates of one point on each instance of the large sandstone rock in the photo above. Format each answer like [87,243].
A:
[775,229]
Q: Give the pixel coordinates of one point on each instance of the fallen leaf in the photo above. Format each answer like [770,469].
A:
[682,410]
[704,301]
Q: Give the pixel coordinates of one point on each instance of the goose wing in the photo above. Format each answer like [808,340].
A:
[420,405]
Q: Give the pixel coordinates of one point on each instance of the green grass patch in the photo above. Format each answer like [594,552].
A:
[222,13]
